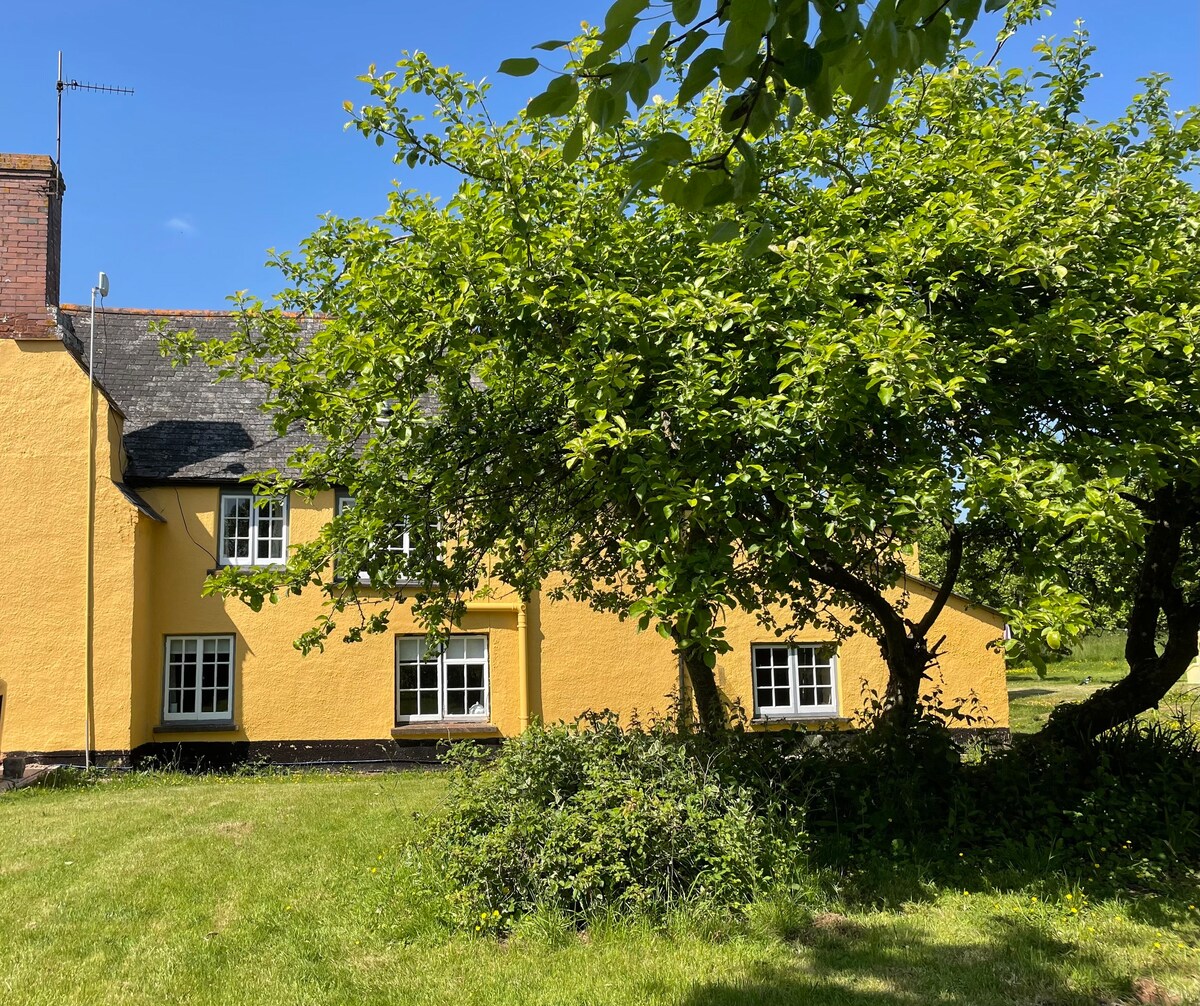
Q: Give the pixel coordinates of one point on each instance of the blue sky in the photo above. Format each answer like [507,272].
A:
[233,142]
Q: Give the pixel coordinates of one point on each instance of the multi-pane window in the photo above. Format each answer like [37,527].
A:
[450,682]
[794,679]
[253,530]
[198,681]
[400,539]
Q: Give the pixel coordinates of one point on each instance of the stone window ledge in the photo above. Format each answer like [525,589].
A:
[195,727]
[444,728]
[760,721]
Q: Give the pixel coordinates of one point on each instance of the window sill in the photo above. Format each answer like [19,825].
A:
[365,581]
[245,565]
[195,727]
[786,718]
[445,728]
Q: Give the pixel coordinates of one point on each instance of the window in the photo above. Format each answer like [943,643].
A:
[198,678]
[253,530]
[403,541]
[449,683]
[794,679]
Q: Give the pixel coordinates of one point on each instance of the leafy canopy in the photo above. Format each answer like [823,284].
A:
[774,59]
[977,313]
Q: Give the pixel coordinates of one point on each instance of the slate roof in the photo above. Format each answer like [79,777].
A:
[180,425]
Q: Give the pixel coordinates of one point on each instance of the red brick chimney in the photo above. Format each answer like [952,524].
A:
[30,242]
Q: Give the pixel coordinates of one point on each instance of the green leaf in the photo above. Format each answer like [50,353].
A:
[560,97]
[747,23]
[519,67]
[820,100]
[639,84]
[670,147]
[604,108]
[757,245]
[700,74]
[935,39]
[623,12]
[877,97]
[684,11]
[573,144]
[552,44]
[695,38]
[763,115]
[724,230]
[802,67]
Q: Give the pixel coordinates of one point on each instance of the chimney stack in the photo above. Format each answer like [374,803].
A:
[30,243]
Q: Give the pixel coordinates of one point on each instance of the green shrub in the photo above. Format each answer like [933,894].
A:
[578,822]
[1124,806]
[588,817]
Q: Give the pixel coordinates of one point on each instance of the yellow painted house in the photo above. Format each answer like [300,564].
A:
[122,494]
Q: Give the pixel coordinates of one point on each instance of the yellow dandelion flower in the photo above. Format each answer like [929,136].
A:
[495,915]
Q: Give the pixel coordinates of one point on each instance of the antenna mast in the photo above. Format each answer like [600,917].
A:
[75,85]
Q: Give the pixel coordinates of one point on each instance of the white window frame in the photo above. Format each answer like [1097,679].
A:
[224,715]
[440,661]
[258,516]
[795,707]
[343,502]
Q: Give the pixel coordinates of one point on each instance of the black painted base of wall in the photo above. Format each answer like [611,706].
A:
[215,756]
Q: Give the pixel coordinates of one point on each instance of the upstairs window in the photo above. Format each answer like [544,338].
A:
[794,679]
[400,539]
[253,530]
[445,684]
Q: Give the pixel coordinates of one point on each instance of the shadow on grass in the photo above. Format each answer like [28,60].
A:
[895,964]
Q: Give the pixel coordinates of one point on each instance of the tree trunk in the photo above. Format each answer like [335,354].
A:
[1151,673]
[706,695]
[903,643]
[907,660]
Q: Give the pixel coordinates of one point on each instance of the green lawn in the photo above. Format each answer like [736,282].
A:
[1094,663]
[305,889]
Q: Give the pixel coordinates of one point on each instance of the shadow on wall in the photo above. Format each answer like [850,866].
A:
[838,961]
[171,445]
[3,703]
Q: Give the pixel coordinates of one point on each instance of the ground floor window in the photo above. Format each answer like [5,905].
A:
[198,681]
[794,678]
[450,682]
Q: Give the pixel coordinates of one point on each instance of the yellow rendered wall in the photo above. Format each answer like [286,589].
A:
[592,661]
[346,692]
[149,577]
[43,440]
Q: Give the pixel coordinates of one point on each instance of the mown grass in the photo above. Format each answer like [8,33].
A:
[1093,663]
[313,889]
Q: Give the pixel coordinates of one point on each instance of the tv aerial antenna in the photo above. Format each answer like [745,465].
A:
[75,85]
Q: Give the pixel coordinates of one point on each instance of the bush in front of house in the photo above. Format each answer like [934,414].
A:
[586,817]
[1123,807]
